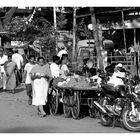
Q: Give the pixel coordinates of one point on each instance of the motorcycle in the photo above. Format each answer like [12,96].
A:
[121,104]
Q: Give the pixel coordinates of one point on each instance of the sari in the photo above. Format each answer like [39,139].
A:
[11,78]
[40,86]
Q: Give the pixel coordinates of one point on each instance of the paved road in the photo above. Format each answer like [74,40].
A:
[16,116]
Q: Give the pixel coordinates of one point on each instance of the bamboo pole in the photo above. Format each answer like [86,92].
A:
[74,34]
[54,14]
[55,26]
[96,38]
[124,34]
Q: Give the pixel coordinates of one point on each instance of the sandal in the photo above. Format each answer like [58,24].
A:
[41,114]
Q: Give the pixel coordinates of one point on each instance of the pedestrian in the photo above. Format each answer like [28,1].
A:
[3,59]
[26,77]
[10,67]
[41,76]
[18,59]
[55,68]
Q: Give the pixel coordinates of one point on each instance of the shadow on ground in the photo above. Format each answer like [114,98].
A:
[17,90]
[29,129]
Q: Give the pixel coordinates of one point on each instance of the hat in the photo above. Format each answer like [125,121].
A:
[119,65]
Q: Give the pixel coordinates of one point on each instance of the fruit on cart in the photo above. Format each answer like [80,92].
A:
[82,84]
[70,82]
[57,80]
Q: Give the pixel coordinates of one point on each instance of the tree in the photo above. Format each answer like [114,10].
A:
[39,28]
[82,30]
[96,37]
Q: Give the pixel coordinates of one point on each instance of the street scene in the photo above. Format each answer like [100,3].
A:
[70,70]
[19,117]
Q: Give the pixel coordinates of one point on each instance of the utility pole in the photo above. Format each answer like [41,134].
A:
[96,38]
[74,34]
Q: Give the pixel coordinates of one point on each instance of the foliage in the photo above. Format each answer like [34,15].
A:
[82,30]
[61,21]
[40,28]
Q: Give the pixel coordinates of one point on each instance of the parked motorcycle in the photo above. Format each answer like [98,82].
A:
[121,104]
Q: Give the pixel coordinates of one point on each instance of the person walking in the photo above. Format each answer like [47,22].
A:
[26,77]
[10,73]
[41,76]
[18,59]
[3,59]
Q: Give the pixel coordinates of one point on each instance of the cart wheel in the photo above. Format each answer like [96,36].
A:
[66,108]
[53,103]
[75,110]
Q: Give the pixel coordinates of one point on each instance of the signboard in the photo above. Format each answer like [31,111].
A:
[128,24]
[16,43]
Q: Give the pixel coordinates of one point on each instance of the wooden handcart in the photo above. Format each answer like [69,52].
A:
[72,99]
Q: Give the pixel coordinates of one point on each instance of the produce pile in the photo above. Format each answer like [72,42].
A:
[77,82]
[57,80]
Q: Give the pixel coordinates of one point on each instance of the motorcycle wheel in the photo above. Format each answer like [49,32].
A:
[105,119]
[131,122]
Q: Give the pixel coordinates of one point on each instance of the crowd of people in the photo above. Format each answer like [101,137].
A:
[37,75]
[10,70]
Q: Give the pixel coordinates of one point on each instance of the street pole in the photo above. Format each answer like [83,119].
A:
[54,14]
[124,36]
[55,26]
[96,38]
[74,35]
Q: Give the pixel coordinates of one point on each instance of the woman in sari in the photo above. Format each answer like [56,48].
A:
[41,75]
[10,67]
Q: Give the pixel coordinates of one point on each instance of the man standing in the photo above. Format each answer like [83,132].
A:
[55,70]
[3,59]
[18,59]
[27,79]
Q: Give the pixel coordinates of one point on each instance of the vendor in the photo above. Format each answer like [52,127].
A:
[119,71]
[54,67]
[64,70]
[88,69]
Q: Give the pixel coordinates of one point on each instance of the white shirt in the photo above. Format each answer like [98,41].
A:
[3,59]
[116,81]
[61,52]
[18,59]
[55,70]
[62,71]
[28,67]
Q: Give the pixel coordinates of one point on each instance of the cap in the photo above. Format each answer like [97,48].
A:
[119,65]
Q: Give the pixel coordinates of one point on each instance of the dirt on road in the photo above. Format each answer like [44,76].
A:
[16,116]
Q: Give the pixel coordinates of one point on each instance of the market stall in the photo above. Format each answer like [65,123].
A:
[74,92]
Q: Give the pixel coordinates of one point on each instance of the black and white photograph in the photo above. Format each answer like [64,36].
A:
[69,68]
